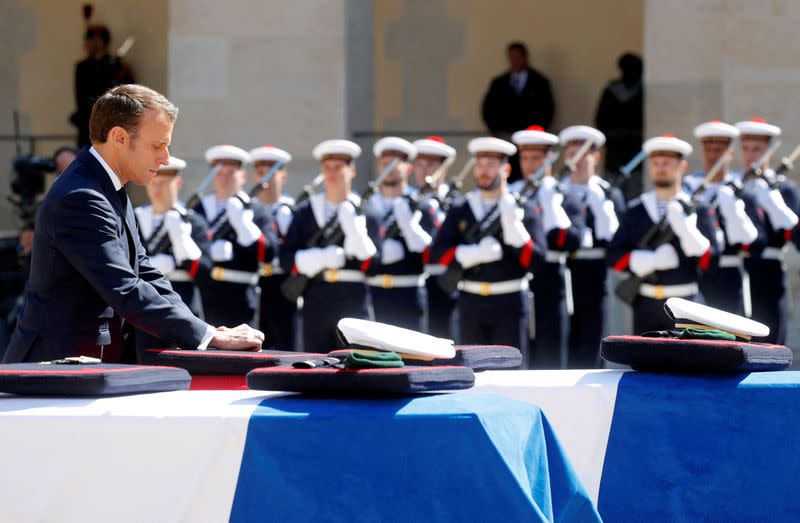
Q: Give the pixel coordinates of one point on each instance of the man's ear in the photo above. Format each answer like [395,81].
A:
[682,167]
[179,183]
[506,170]
[118,136]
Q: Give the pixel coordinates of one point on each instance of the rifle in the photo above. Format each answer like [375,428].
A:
[222,226]
[456,183]
[490,224]
[308,190]
[756,169]
[787,163]
[163,239]
[572,163]
[415,200]
[661,232]
[331,233]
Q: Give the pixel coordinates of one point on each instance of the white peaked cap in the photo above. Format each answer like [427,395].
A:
[667,143]
[227,152]
[382,336]
[434,146]
[490,144]
[340,147]
[582,133]
[395,144]
[270,153]
[716,129]
[175,164]
[688,313]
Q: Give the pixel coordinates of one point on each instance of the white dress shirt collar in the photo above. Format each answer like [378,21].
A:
[111,174]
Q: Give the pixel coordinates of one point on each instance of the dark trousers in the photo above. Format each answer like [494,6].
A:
[324,304]
[401,306]
[548,308]
[440,309]
[586,331]
[649,314]
[276,314]
[501,319]
[722,289]
[229,304]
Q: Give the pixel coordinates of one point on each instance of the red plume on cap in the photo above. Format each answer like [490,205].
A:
[716,121]
[268,145]
[759,120]
[435,139]
[535,128]
[668,136]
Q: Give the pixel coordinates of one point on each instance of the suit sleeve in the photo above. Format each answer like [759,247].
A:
[200,269]
[569,239]
[490,107]
[443,247]
[536,245]
[618,251]
[86,232]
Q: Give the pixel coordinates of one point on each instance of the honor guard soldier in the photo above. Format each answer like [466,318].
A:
[433,155]
[242,238]
[337,283]
[397,283]
[493,303]
[176,239]
[665,266]
[601,206]
[726,285]
[547,285]
[276,313]
[776,198]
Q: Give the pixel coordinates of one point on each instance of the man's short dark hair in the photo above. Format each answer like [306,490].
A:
[124,106]
[98,30]
[519,46]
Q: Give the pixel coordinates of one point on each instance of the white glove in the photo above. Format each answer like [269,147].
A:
[415,236]
[163,262]
[550,200]
[514,232]
[486,251]
[738,226]
[221,251]
[180,235]
[644,262]
[357,243]
[605,219]
[391,251]
[311,262]
[780,215]
[692,240]
[241,220]
[284,219]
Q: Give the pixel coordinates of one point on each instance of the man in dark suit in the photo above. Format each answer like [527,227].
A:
[91,279]
[517,99]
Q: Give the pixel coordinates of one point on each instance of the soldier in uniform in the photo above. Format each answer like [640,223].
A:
[397,283]
[671,269]
[242,238]
[493,302]
[601,205]
[775,202]
[725,284]
[433,153]
[276,313]
[337,286]
[176,239]
[563,230]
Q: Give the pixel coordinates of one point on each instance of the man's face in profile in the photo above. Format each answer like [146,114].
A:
[148,149]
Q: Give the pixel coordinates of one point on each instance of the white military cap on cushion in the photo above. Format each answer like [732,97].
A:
[339,147]
[667,143]
[688,314]
[582,133]
[270,153]
[758,127]
[382,336]
[490,144]
[175,164]
[227,152]
[394,144]
[716,129]
[434,146]
[534,135]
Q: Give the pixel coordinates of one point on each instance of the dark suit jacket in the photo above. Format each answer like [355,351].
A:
[89,271]
[505,111]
